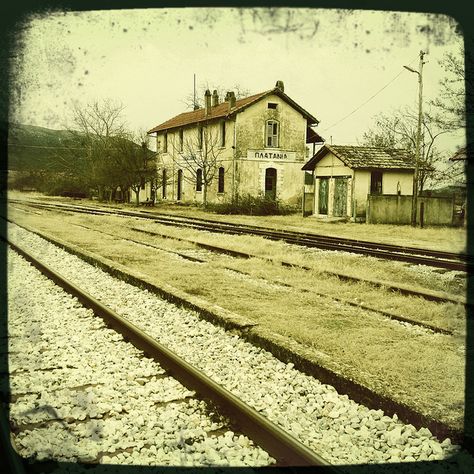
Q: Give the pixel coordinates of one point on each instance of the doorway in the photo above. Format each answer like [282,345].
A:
[323,195]
[270,183]
[340,197]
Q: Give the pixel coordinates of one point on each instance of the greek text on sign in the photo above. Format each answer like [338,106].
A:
[271,155]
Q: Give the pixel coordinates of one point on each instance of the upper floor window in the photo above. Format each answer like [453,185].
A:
[165,143]
[200,136]
[272,105]
[272,134]
[181,139]
[199,179]
[223,133]
[220,182]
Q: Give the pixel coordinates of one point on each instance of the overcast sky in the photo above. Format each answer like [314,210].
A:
[331,62]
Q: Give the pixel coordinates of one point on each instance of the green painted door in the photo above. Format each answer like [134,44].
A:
[323,195]
[340,197]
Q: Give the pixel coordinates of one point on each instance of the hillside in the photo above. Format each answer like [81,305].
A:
[33,148]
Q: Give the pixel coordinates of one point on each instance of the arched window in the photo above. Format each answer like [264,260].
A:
[220,182]
[163,184]
[272,134]
[199,179]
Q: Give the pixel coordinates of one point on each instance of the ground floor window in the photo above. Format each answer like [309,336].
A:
[163,184]
[199,179]
[220,181]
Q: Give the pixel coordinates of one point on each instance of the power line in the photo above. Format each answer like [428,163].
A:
[368,100]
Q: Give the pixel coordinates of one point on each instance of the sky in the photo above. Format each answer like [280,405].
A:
[342,66]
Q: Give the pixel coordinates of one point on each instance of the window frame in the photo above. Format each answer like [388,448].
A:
[221,180]
[273,137]
[199,180]
[223,137]
[181,139]
[163,183]
[376,182]
[165,142]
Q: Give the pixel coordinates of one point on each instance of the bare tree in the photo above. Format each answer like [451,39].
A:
[90,152]
[199,157]
[134,163]
[399,130]
[456,98]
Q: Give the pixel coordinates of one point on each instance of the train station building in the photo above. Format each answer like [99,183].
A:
[255,146]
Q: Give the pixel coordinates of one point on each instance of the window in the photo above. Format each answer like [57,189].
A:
[223,133]
[272,133]
[163,184]
[220,182]
[376,182]
[272,105]
[199,179]
[142,183]
[200,136]
[165,143]
[308,178]
[181,140]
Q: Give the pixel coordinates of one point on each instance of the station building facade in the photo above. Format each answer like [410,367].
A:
[255,145]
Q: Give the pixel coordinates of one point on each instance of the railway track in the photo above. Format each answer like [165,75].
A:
[279,444]
[281,284]
[416,256]
[330,404]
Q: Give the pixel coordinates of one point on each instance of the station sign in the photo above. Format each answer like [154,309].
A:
[271,155]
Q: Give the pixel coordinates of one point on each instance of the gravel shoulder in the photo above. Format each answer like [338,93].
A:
[378,353]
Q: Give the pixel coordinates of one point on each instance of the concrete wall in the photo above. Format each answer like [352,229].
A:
[389,209]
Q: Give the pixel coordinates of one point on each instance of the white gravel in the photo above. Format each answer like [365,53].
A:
[336,427]
[81,393]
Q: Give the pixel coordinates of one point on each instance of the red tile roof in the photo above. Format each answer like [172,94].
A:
[222,110]
[368,157]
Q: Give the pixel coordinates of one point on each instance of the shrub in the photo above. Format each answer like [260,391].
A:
[252,205]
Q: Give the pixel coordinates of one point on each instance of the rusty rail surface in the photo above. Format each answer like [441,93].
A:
[286,449]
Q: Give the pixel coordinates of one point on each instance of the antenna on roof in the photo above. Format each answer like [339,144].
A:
[194,94]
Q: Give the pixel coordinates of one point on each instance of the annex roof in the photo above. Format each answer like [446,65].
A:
[360,157]
[222,110]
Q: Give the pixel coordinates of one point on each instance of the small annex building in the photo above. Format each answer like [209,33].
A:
[254,145]
[343,177]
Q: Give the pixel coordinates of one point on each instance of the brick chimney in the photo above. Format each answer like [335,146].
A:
[215,98]
[207,101]
[280,85]
[230,98]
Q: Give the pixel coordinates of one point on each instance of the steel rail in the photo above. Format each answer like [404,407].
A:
[447,260]
[286,449]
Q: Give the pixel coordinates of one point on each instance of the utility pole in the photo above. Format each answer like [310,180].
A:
[414,202]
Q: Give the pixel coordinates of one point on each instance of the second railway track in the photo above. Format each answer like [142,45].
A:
[417,256]
[311,411]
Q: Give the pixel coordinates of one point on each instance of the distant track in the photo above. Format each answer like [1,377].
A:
[433,258]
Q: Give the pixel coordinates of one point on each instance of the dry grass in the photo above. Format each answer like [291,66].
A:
[437,238]
[375,351]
